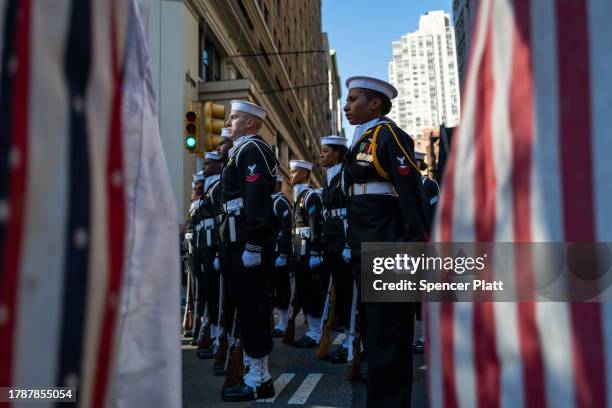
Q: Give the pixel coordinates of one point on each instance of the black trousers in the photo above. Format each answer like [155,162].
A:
[199,284]
[212,282]
[281,286]
[249,288]
[387,327]
[311,285]
[343,280]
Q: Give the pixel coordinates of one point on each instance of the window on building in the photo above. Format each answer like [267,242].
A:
[210,67]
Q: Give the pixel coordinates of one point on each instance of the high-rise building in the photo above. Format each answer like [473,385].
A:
[424,71]
[464,15]
[270,52]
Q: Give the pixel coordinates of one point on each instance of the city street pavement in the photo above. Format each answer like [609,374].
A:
[299,379]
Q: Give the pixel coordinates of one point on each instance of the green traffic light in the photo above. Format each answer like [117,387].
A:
[190,141]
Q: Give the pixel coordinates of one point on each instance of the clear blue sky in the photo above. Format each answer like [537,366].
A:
[361,32]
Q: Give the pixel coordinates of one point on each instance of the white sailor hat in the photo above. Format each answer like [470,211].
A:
[419,155]
[333,140]
[212,155]
[249,107]
[301,164]
[279,179]
[374,84]
[199,176]
[225,133]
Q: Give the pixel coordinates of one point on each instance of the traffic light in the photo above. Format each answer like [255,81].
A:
[192,130]
[214,120]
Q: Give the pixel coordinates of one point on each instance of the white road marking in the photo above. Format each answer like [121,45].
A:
[280,383]
[300,396]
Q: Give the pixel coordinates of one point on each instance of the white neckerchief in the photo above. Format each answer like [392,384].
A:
[194,204]
[297,190]
[210,180]
[239,141]
[332,172]
[364,127]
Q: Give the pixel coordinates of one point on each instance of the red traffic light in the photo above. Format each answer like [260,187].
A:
[190,116]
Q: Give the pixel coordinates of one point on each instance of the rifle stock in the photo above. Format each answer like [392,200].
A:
[323,346]
[236,368]
[219,358]
[354,368]
[205,340]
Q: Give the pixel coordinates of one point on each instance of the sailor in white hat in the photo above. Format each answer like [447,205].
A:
[191,321]
[384,192]
[281,286]
[248,234]
[225,144]
[208,276]
[337,254]
[311,281]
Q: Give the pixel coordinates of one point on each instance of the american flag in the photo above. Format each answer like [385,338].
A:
[88,226]
[531,163]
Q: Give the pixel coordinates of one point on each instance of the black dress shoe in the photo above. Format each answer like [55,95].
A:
[206,354]
[340,355]
[243,392]
[305,342]
[418,347]
[188,333]
[277,333]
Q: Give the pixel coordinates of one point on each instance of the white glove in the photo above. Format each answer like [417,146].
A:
[251,258]
[346,254]
[281,261]
[216,264]
[315,260]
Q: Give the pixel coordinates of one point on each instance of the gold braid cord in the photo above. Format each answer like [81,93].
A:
[402,147]
[379,168]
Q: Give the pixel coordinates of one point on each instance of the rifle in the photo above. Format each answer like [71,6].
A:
[188,316]
[220,367]
[354,343]
[204,338]
[289,336]
[220,313]
[326,321]
[236,368]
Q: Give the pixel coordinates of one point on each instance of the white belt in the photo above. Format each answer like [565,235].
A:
[303,232]
[373,187]
[232,207]
[338,212]
[209,223]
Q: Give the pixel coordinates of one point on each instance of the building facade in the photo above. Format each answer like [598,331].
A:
[424,70]
[271,52]
[464,16]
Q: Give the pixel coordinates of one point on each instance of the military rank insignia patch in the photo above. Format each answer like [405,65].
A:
[253,177]
[402,168]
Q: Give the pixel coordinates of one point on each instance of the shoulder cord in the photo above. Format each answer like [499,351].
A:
[402,147]
[272,173]
[377,165]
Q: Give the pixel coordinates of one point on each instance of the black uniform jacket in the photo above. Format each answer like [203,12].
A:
[209,211]
[248,181]
[281,208]
[385,153]
[307,212]
[334,202]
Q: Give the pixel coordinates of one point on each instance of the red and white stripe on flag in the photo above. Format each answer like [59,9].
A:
[530,164]
[69,165]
